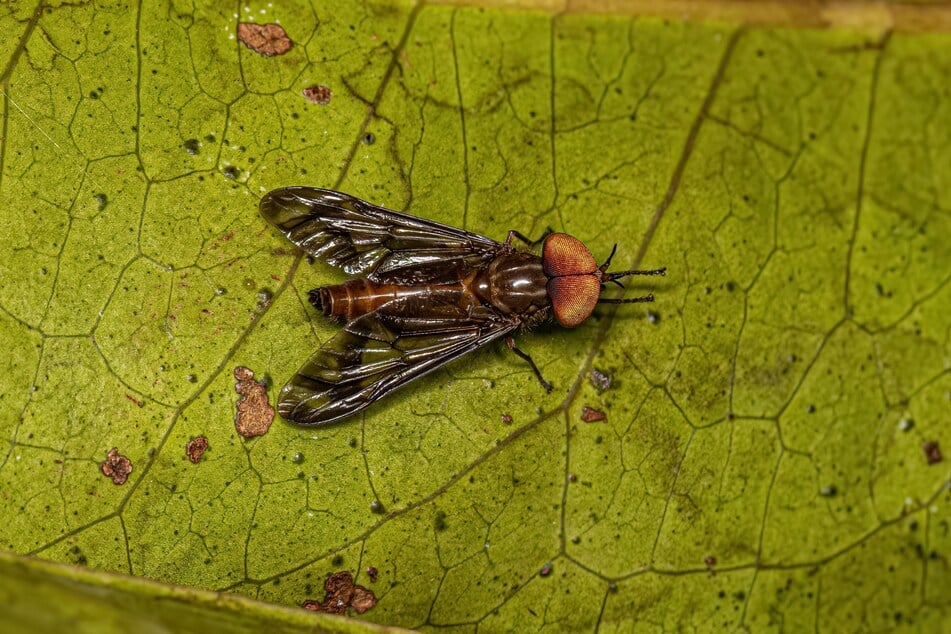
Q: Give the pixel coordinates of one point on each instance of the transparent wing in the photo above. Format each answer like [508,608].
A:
[377,243]
[378,352]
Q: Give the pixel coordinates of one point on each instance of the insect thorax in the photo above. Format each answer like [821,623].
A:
[513,283]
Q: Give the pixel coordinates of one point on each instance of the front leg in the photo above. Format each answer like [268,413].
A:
[510,342]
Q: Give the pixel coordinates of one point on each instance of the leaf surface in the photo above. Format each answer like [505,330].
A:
[763,458]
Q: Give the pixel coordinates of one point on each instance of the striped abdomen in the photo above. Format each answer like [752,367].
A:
[361,296]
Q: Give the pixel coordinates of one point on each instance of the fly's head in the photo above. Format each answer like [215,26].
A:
[575,280]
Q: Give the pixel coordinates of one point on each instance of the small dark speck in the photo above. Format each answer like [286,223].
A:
[545,571]
[221,290]
[192,378]
[828,491]
[298,458]
[369,138]
[932,452]
[352,442]
[810,409]
[377,507]
[101,201]
[192,146]
[906,424]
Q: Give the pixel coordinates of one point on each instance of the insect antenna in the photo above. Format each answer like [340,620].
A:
[633,300]
[614,277]
[611,277]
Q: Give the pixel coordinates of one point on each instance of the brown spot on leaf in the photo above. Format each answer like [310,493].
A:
[318,93]
[342,595]
[255,414]
[372,573]
[591,415]
[116,466]
[195,448]
[545,571]
[932,452]
[266,39]
[362,599]
[507,419]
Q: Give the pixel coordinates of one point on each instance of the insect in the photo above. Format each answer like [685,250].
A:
[426,293]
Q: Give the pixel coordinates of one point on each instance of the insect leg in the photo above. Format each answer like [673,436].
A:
[510,342]
[521,236]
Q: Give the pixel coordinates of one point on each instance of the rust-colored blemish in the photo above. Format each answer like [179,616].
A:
[266,39]
[116,466]
[195,448]
[254,415]
[318,93]
[591,415]
[342,594]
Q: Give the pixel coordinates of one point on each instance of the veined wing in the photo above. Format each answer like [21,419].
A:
[378,352]
[364,239]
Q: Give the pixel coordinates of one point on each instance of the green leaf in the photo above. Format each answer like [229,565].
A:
[40,596]
[762,461]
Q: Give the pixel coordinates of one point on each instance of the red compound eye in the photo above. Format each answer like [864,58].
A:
[566,255]
[574,283]
[573,298]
